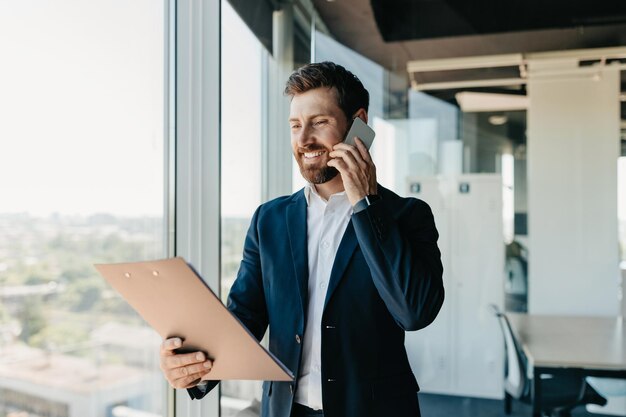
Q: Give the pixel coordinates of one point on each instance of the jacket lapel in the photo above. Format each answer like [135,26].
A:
[342,259]
[297,230]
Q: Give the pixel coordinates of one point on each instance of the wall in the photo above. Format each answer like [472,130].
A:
[573,146]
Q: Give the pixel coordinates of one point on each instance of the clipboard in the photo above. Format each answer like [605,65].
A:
[174,300]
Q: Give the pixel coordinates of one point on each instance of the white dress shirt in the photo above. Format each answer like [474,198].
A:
[326,224]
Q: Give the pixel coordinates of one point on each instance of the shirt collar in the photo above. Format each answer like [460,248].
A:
[310,189]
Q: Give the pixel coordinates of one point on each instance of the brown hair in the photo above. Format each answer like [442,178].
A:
[351,95]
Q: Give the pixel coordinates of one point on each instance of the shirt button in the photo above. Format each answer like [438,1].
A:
[323,285]
[298,340]
[325,244]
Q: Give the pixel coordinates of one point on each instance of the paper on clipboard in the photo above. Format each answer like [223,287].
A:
[172,298]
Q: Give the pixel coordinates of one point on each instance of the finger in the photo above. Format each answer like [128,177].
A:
[345,172]
[179,360]
[363,151]
[170,344]
[343,145]
[184,371]
[191,379]
[356,153]
[348,148]
[176,361]
[348,157]
[340,165]
[365,154]
[188,380]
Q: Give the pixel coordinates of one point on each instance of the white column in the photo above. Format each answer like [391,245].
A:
[573,146]
[277,160]
[198,156]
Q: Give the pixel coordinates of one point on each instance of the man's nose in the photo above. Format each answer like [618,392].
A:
[305,137]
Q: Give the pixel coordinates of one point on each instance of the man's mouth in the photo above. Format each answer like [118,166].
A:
[309,156]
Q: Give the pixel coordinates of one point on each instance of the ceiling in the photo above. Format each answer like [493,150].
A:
[406,20]
[393,32]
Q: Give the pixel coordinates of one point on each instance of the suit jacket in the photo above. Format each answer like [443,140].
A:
[386,279]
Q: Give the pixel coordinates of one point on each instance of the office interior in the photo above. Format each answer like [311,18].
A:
[146,129]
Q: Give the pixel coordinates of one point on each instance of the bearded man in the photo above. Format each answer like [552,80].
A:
[338,271]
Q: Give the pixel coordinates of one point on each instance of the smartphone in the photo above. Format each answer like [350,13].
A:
[361,130]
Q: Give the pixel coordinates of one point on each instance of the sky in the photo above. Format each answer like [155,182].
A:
[81,108]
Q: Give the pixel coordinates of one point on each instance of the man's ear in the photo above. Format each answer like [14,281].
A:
[362,113]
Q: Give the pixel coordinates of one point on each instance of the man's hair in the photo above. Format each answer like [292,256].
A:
[351,95]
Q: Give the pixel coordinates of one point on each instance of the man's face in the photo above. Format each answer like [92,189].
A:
[317,124]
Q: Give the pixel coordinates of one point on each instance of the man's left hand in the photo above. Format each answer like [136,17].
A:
[357,169]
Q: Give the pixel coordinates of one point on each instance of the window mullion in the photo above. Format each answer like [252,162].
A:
[198,156]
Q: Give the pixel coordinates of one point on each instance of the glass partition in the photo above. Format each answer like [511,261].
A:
[469,166]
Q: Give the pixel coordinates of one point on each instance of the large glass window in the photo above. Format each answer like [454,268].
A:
[82,179]
[241,170]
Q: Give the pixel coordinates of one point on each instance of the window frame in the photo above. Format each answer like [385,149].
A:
[194,156]
[197,158]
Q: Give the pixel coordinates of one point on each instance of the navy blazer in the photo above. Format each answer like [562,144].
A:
[386,279]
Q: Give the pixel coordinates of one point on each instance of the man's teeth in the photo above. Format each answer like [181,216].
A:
[312,154]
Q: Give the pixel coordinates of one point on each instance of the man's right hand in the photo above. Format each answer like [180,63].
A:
[184,370]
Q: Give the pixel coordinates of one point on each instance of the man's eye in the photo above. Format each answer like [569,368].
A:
[295,127]
[320,122]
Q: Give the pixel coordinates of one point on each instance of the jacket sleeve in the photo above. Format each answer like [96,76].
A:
[404,260]
[246,299]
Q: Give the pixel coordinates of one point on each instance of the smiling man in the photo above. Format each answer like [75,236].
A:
[338,271]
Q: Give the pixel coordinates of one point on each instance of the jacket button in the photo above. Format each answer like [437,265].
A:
[298,339]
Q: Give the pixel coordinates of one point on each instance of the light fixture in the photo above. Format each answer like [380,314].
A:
[519,61]
[498,120]
[470,102]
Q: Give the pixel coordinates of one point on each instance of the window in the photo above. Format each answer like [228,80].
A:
[82,180]
[241,169]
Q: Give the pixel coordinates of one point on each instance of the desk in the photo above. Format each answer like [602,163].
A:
[587,346]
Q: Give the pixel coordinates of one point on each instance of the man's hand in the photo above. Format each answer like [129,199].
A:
[357,169]
[182,370]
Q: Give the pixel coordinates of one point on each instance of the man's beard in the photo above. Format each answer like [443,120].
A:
[315,174]
[319,175]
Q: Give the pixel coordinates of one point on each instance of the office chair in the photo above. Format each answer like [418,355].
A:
[560,393]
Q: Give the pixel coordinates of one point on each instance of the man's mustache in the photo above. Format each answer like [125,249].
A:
[312,148]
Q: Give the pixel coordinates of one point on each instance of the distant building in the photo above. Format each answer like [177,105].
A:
[12,296]
[137,345]
[55,385]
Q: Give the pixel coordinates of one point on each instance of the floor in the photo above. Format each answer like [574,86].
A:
[433,405]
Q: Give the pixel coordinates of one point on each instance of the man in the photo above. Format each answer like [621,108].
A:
[339,271]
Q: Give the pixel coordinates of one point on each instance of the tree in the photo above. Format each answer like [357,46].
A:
[31,318]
